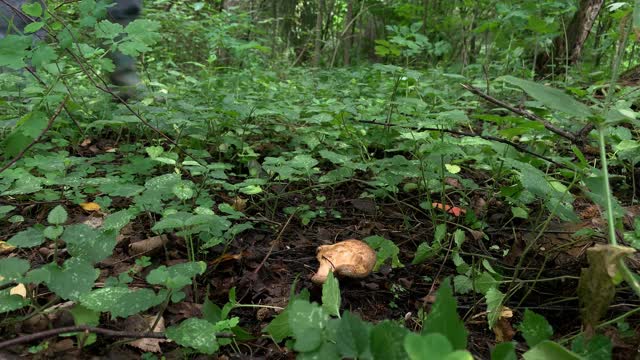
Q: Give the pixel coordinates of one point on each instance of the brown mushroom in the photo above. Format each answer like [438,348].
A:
[350,258]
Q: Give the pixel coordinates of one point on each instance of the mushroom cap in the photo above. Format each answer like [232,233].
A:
[350,258]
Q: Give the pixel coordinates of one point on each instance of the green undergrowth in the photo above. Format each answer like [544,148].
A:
[262,135]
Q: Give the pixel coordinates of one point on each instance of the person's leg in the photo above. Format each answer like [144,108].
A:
[125,75]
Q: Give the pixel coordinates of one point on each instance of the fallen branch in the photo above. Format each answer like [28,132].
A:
[576,139]
[89,329]
[463,133]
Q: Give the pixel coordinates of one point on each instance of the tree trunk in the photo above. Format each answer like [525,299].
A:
[576,34]
[318,34]
[425,13]
[346,40]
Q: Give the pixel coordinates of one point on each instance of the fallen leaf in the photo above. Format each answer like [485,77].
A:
[142,325]
[239,203]
[19,289]
[6,248]
[90,206]
[454,210]
[86,142]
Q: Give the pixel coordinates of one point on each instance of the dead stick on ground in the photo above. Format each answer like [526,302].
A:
[563,133]
[35,141]
[462,133]
[274,243]
[89,329]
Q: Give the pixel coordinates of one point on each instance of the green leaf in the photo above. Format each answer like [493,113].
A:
[12,269]
[494,306]
[552,98]
[599,347]
[57,216]
[385,249]
[33,9]
[33,27]
[387,341]
[331,296]
[436,345]
[107,30]
[121,301]
[74,279]
[546,350]
[504,351]
[352,336]
[27,238]
[118,220]
[176,276]
[462,284]
[13,50]
[444,318]
[89,244]
[195,333]
[279,328]
[43,55]
[535,328]
[10,302]
[307,322]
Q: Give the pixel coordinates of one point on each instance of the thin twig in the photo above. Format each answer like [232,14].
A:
[463,133]
[89,329]
[21,154]
[560,132]
[274,243]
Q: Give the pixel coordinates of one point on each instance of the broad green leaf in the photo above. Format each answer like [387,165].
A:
[12,269]
[436,345]
[444,318]
[385,249]
[57,216]
[307,322]
[352,336]
[118,220]
[89,244]
[535,328]
[599,347]
[121,301]
[74,279]
[13,50]
[462,284]
[494,306]
[33,27]
[176,276]
[27,238]
[195,333]
[504,351]
[387,341]
[553,98]
[107,30]
[10,302]
[547,350]
[331,296]
[33,9]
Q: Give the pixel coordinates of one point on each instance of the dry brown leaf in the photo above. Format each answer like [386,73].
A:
[6,248]
[86,142]
[503,330]
[239,203]
[90,206]
[110,149]
[147,245]
[142,324]
[94,221]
